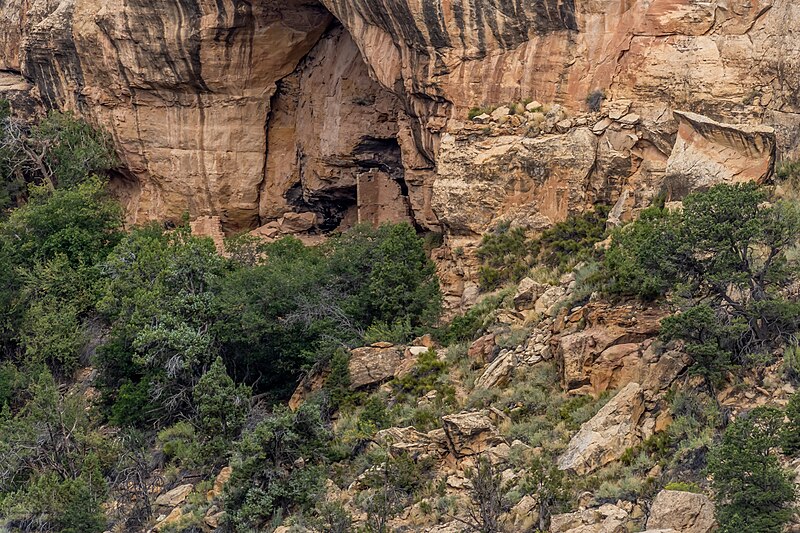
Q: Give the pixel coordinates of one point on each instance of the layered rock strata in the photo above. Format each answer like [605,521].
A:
[357,110]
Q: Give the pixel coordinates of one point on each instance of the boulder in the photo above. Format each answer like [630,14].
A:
[601,126]
[213,517]
[528,291]
[219,483]
[483,350]
[607,518]
[372,365]
[707,152]
[172,518]
[297,222]
[630,119]
[311,382]
[499,372]
[409,440]
[524,516]
[500,112]
[533,106]
[174,497]
[686,512]
[563,126]
[604,438]
[609,352]
[471,433]
[618,109]
[545,304]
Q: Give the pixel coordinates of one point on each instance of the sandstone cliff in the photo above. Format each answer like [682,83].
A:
[356,109]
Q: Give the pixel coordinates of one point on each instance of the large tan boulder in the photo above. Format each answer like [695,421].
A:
[409,440]
[604,438]
[528,291]
[607,518]
[472,433]
[176,496]
[610,352]
[372,365]
[499,372]
[682,511]
[707,152]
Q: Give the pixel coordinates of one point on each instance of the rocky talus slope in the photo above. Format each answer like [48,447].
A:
[606,359]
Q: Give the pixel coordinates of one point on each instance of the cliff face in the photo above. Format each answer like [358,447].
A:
[357,109]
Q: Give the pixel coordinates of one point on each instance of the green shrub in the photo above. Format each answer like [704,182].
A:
[337,384]
[550,487]
[753,492]
[58,151]
[468,326]
[506,256]
[277,467]
[790,434]
[10,382]
[132,405]
[158,298]
[222,408]
[696,418]
[791,360]
[375,415]
[573,240]
[705,339]
[180,444]
[639,259]
[475,111]
[423,377]
[684,486]
[54,334]
[789,171]
[398,332]
[54,460]
[726,256]
[333,517]
[285,314]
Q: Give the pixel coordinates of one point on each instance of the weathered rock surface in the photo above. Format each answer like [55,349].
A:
[499,372]
[707,152]
[374,364]
[415,443]
[528,291]
[604,438]
[682,511]
[243,110]
[609,352]
[604,519]
[471,433]
[175,496]
[484,349]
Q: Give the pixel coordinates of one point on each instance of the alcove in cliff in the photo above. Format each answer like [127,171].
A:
[332,147]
